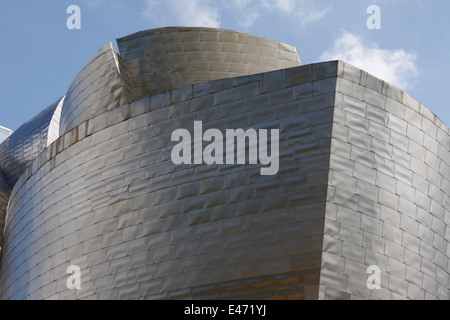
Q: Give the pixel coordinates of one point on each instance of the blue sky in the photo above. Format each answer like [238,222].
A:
[40,56]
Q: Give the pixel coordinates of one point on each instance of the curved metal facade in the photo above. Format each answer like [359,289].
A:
[97,88]
[18,151]
[363,180]
[160,60]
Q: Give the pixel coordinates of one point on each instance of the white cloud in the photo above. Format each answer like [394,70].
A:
[241,3]
[94,4]
[248,13]
[313,15]
[394,66]
[195,13]
[249,19]
[286,6]
[205,13]
[301,9]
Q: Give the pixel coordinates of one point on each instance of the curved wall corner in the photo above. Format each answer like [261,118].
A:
[107,198]
[100,86]
[25,144]
[18,151]
[160,60]
[53,130]
[388,195]
[5,190]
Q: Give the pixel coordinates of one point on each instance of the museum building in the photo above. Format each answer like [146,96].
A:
[204,163]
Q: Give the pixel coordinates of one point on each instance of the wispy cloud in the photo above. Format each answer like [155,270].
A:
[305,11]
[286,6]
[196,13]
[313,15]
[396,66]
[94,4]
[245,12]
[249,19]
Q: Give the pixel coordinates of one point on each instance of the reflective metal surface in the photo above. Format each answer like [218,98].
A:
[18,151]
[364,180]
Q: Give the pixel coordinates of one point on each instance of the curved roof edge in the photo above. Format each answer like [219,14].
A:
[4,133]
[6,129]
[175,29]
[159,60]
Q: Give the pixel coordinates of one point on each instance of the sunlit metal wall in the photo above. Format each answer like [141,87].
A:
[18,151]
[363,181]
[107,197]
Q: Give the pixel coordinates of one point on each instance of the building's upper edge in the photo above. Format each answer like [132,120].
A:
[174,29]
[25,144]
[157,31]
[159,60]
[6,130]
